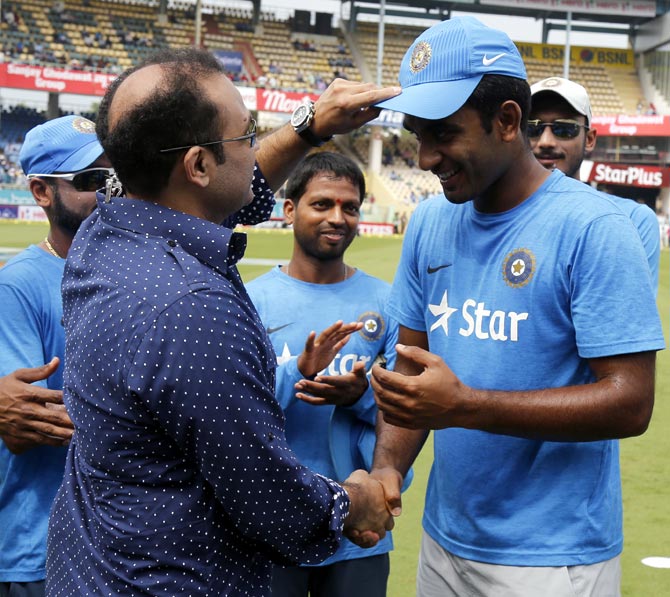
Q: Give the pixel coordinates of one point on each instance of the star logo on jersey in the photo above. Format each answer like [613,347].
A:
[285,355]
[443,312]
[373,326]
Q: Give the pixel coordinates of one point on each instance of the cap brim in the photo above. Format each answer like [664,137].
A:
[82,158]
[352,444]
[432,101]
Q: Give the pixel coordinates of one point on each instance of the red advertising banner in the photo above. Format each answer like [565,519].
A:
[58,80]
[630,175]
[276,100]
[632,126]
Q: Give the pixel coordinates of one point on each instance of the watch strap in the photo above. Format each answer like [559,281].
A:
[315,141]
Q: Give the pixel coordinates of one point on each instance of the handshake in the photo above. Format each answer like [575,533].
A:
[375,502]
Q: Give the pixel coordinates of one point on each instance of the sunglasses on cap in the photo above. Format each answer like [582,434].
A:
[84,181]
[561,129]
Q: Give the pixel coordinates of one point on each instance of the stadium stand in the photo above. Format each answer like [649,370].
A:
[111,35]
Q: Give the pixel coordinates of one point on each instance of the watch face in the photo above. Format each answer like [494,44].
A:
[300,114]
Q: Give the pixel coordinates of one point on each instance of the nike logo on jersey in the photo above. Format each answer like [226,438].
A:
[273,330]
[432,270]
[489,61]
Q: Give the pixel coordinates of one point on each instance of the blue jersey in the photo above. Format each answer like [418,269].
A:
[290,309]
[31,333]
[646,223]
[514,301]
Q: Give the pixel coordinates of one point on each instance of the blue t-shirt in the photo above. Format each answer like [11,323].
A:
[646,223]
[31,333]
[290,309]
[519,301]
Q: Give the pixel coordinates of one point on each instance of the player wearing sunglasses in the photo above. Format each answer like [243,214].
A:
[560,136]
[64,164]
[559,125]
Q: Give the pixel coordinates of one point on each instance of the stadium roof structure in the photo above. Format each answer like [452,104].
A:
[626,21]
[620,17]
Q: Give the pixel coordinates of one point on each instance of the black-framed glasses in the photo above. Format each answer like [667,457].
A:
[562,129]
[250,134]
[84,181]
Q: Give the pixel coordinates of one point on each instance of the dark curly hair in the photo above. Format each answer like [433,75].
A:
[177,113]
[325,161]
[494,90]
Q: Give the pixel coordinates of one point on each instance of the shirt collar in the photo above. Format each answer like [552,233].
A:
[213,244]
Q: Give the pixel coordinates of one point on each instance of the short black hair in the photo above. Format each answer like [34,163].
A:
[340,166]
[178,113]
[493,91]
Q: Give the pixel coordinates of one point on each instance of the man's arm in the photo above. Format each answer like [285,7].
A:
[343,107]
[397,447]
[31,415]
[229,421]
[646,222]
[617,404]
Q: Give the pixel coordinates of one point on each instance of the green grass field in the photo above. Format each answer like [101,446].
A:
[644,460]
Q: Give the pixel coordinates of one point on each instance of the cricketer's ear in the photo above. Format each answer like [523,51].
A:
[42,192]
[289,211]
[508,120]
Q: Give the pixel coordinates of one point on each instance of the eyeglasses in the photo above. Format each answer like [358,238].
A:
[562,129]
[250,134]
[84,181]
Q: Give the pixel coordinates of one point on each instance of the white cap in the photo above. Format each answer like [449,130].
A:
[571,92]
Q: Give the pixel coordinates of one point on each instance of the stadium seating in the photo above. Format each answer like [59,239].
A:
[111,35]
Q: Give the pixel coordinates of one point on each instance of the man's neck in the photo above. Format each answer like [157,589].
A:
[57,242]
[318,272]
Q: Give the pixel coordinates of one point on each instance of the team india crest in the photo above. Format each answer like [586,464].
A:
[519,268]
[420,56]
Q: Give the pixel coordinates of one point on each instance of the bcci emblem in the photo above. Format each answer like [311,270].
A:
[420,56]
[553,82]
[83,125]
[519,268]
[373,326]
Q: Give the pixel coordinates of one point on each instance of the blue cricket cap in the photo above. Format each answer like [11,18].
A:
[65,144]
[441,69]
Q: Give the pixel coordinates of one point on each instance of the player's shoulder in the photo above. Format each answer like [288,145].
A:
[263,280]
[578,200]
[25,266]
[372,282]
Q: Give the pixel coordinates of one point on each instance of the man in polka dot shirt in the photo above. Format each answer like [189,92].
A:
[179,479]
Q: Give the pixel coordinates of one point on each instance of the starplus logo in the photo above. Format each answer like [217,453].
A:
[480,321]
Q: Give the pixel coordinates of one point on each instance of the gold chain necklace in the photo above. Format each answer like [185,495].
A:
[51,249]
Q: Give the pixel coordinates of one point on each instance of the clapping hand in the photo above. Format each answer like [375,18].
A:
[319,352]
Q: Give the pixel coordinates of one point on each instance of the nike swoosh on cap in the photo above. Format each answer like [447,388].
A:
[273,330]
[489,61]
[432,270]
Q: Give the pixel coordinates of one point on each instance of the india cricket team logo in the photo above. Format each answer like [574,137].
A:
[83,125]
[373,326]
[420,56]
[519,268]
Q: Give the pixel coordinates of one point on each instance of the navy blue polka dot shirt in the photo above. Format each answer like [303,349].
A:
[178,479]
